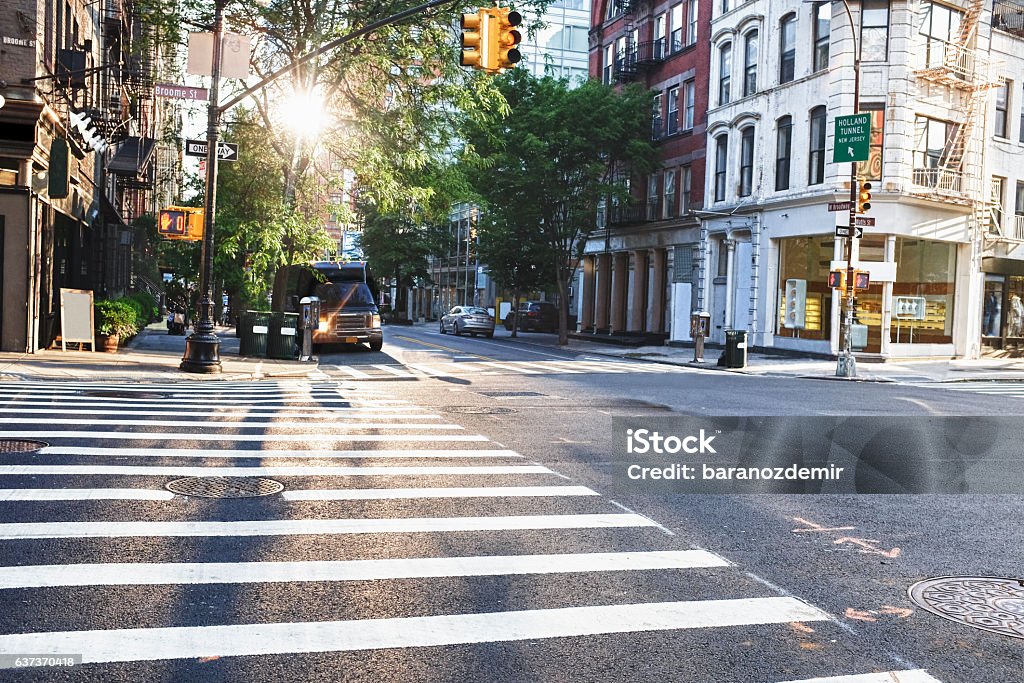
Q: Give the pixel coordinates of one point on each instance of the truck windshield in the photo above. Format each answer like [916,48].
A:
[345,294]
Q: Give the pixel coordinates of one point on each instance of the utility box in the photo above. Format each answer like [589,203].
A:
[858,336]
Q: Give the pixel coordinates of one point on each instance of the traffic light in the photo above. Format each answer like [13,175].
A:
[59,178]
[503,51]
[837,279]
[473,45]
[864,198]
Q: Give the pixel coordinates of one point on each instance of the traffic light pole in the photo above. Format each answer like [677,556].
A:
[846,365]
[202,348]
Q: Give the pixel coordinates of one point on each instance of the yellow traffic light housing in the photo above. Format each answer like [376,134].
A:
[473,45]
[506,38]
[837,279]
[864,197]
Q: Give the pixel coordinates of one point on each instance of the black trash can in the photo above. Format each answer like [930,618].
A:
[735,355]
[255,329]
[281,340]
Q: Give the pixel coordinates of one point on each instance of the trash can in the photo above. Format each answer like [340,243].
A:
[255,326]
[735,355]
[281,339]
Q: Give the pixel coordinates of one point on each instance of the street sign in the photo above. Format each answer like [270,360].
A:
[868,221]
[839,206]
[844,231]
[852,140]
[226,151]
[181,92]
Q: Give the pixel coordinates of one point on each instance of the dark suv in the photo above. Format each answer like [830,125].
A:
[538,316]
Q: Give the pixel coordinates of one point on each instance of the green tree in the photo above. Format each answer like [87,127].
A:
[542,170]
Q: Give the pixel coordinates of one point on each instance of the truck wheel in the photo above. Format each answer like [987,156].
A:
[377,345]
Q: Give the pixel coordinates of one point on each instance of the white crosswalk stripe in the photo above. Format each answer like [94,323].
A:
[429,480]
[479,367]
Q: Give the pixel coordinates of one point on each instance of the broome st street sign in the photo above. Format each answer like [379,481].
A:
[182,92]
[852,140]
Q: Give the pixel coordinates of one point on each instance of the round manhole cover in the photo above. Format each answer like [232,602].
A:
[20,445]
[990,603]
[225,487]
[479,410]
[101,393]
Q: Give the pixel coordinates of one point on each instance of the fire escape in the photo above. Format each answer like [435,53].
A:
[639,55]
[955,175]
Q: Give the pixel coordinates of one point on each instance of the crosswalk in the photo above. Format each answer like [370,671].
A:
[1008,388]
[446,549]
[479,368]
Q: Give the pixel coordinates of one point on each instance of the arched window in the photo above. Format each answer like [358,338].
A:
[750,45]
[816,170]
[747,161]
[721,157]
[783,151]
[724,73]
[822,34]
[787,53]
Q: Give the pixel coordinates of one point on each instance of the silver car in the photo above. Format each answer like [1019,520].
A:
[472,319]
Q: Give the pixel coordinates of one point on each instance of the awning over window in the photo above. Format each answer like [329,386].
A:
[132,156]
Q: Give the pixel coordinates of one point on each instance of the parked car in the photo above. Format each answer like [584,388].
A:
[535,316]
[472,319]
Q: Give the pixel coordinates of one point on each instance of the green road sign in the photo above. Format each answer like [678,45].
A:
[853,133]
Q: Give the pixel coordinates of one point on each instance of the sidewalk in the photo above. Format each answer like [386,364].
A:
[152,356]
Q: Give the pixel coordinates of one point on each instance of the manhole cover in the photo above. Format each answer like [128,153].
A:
[20,445]
[509,394]
[990,603]
[225,487]
[479,410]
[99,393]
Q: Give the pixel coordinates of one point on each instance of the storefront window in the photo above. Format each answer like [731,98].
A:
[807,258]
[992,309]
[923,292]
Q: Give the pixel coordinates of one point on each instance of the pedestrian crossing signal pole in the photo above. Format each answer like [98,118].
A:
[846,366]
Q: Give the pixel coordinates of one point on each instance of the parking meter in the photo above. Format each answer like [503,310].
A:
[700,327]
[309,322]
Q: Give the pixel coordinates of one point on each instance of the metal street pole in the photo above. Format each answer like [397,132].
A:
[846,365]
[202,348]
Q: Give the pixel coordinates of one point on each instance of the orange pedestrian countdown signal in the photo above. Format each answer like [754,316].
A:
[837,279]
[181,223]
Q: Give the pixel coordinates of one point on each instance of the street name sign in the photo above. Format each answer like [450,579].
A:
[226,151]
[844,231]
[839,206]
[866,221]
[852,140]
[181,92]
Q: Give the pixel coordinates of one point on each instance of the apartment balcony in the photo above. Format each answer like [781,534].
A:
[627,215]
[1008,16]
[941,184]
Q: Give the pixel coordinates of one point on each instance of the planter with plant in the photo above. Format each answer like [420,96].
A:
[115,320]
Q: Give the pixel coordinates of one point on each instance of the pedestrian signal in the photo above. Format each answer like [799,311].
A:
[181,223]
[837,279]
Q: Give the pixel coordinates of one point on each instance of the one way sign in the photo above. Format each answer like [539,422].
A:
[226,151]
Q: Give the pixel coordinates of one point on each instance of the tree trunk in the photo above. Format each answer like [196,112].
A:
[563,311]
[515,312]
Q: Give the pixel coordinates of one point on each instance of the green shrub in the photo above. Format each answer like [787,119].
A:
[147,302]
[115,318]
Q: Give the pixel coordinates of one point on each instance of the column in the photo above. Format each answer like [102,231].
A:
[620,286]
[638,321]
[660,263]
[730,280]
[604,281]
[587,295]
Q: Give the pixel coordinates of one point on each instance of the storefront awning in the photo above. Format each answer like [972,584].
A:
[132,157]
[1002,266]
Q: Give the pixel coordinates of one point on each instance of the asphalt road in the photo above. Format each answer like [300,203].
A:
[619,585]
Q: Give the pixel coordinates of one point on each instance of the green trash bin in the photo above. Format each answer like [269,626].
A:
[255,329]
[735,355]
[281,342]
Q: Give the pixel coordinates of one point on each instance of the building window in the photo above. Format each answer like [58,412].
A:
[816,171]
[925,269]
[750,64]
[807,259]
[669,195]
[657,131]
[691,22]
[721,154]
[1018,212]
[1020,135]
[872,168]
[659,36]
[676,28]
[673,111]
[687,183]
[874,30]
[726,5]
[724,73]
[996,202]
[1002,118]
[787,54]
[932,138]
[783,152]
[747,162]
[822,34]
[688,105]
[653,183]
[609,60]
[939,25]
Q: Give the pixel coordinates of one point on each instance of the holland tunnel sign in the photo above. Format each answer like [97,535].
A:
[853,135]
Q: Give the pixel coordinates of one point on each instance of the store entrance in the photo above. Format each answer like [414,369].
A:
[868,311]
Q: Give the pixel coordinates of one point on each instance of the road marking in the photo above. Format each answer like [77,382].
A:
[427,370]
[397,372]
[7,495]
[305,527]
[124,645]
[358,374]
[291,438]
[508,366]
[549,367]
[268,471]
[215,423]
[206,402]
[585,364]
[270,454]
[173,412]
[443,348]
[261,411]
[152,574]
[438,492]
[909,676]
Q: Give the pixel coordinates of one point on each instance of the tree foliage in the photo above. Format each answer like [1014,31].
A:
[541,171]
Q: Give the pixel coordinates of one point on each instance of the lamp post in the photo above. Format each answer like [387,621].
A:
[202,349]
